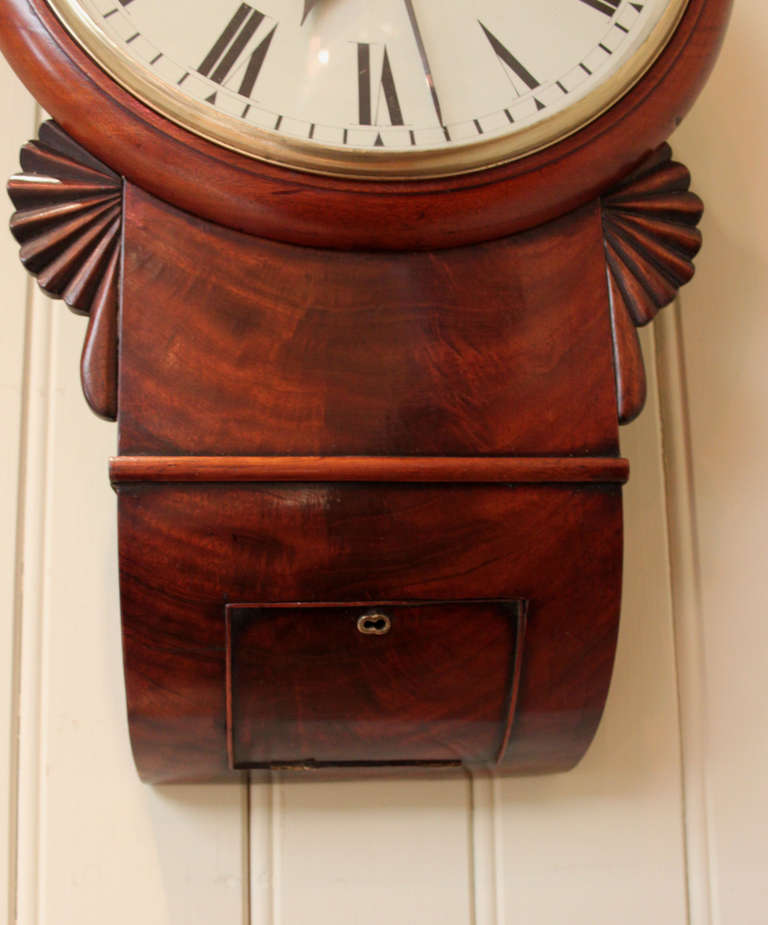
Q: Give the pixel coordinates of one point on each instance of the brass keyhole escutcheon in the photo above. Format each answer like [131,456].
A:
[374,624]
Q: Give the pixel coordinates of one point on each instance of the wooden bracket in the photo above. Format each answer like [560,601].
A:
[68,222]
[651,238]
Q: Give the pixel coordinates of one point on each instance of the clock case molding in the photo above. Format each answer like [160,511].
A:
[346,404]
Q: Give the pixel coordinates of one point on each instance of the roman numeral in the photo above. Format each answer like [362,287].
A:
[228,54]
[608,7]
[370,93]
[512,66]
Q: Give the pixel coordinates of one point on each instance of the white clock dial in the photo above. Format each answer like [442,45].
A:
[381,88]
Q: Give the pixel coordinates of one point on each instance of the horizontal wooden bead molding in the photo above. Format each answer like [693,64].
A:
[124,469]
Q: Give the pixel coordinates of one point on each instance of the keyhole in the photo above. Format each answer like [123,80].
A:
[374,624]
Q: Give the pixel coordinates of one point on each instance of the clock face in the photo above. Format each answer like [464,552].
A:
[376,88]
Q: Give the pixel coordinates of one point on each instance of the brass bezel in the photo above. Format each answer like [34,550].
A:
[360,163]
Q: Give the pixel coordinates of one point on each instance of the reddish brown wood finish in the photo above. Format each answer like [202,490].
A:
[497,359]
[627,358]
[495,351]
[270,349]
[304,209]
[186,551]
[651,238]
[406,357]
[98,365]
[180,469]
[306,686]
[68,222]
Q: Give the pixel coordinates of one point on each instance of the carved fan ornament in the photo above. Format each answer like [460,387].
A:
[68,223]
[651,238]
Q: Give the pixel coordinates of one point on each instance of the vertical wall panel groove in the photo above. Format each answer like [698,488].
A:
[13,653]
[498,850]
[473,849]
[34,596]
[485,835]
[686,603]
[92,842]
[603,843]
[245,846]
[275,847]
[264,818]
[17,116]
[720,487]
[14,677]
[370,851]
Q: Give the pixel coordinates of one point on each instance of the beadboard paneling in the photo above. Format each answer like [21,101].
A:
[601,844]
[178,850]
[92,842]
[604,843]
[373,852]
[718,425]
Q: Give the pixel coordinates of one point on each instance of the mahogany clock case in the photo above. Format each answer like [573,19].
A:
[369,489]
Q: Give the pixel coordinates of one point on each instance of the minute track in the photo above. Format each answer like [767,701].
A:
[305,66]
[606,7]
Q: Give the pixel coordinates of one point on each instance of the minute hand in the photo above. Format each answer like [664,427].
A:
[424,59]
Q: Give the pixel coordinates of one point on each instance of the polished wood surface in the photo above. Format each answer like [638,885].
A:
[302,425]
[482,374]
[124,469]
[369,394]
[270,349]
[236,191]
[436,684]
[68,223]
[186,551]
[651,237]
[627,358]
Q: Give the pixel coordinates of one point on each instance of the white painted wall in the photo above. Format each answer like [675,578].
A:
[664,821]
[716,425]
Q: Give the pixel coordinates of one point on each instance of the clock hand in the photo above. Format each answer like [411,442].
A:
[308,4]
[424,58]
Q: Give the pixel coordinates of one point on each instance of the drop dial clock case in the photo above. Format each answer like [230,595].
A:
[362,282]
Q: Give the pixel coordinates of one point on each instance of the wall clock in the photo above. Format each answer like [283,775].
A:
[362,284]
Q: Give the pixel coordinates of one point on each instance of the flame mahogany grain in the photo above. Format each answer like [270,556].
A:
[500,348]
[440,685]
[187,551]
[275,404]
